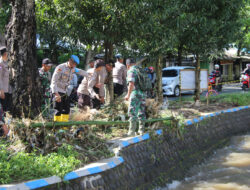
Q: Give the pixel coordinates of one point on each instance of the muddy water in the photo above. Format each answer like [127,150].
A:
[227,169]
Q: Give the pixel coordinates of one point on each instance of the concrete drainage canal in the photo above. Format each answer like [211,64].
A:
[162,160]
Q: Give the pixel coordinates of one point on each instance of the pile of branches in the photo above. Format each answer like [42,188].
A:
[116,111]
[90,145]
[43,140]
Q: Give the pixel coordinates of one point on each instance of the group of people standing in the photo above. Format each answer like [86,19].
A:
[90,92]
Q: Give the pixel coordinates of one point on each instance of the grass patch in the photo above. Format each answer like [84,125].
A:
[48,152]
[15,167]
[237,99]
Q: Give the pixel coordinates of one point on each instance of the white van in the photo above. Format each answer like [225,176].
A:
[171,83]
[170,80]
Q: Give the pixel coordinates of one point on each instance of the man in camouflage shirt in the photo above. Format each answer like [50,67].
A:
[45,77]
[136,98]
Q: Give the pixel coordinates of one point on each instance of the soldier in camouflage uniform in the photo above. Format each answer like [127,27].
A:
[137,100]
[45,77]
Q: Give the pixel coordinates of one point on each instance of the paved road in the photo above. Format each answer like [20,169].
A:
[227,88]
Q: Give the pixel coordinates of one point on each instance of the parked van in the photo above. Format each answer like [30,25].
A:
[172,85]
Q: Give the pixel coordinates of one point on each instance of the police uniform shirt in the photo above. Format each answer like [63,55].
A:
[62,77]
[4,76]
[97,78]
[102,76]
[83,87]
[119,73]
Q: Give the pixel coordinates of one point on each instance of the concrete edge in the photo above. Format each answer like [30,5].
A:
[106,164]
[196,120]
[90,169]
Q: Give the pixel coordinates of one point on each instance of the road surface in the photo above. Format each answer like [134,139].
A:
[227,88]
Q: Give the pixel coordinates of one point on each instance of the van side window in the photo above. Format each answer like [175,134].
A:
[169,73]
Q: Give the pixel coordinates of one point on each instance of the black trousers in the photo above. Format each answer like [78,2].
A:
[84,100]
[62,107]
[6,102]
[95,102]
[118,89]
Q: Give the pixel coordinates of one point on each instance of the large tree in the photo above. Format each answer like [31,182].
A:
[103,22]
[156,35]
[21,43]
[48,28]
[205,25]
[243,41]
[4,16]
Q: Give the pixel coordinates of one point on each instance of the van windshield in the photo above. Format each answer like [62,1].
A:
[169,73]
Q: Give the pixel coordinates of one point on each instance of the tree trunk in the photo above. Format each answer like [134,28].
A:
[54,53]
[197,80]
[241,41]
[21,43]
[88,57]
[2,40]
[110,86]
[179,59]
[159,95]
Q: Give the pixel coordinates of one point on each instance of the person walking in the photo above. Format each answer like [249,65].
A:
[119,75]
[136,98]
[45,77]
[60,81]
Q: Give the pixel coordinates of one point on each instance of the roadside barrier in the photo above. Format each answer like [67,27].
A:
[229,82]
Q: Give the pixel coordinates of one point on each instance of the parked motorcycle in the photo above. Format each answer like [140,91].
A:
[212,82]
[244,80]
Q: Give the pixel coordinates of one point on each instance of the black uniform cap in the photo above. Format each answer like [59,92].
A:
[3,50]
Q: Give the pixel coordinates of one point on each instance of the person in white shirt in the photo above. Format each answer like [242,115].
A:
[60,81]
[119,75]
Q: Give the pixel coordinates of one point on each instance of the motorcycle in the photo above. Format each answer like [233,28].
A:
[212,82]
[244,80]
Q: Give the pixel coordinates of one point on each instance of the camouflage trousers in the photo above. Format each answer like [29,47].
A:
[137,106]
[45,106]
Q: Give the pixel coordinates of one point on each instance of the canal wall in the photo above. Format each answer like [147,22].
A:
[151,160]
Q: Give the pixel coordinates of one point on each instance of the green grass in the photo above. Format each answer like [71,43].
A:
[237,99]
[26,166]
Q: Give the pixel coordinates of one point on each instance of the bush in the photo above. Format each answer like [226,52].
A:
[27,166]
